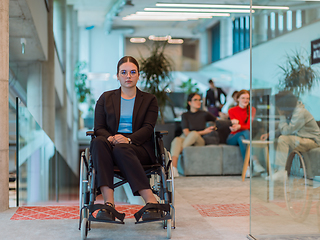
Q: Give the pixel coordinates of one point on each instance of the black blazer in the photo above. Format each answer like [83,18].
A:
[211,98]
[145,114]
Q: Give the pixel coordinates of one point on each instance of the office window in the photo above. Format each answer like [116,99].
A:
[247,32]
[241,34]
[280,23]
[298,19]
[241,31]
[236,35]
[272,21]
[215,37]
[289,20]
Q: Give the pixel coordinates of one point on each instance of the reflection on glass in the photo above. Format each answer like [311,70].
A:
[43,173]
[285,200]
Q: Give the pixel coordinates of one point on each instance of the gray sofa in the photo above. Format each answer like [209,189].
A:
[220,159]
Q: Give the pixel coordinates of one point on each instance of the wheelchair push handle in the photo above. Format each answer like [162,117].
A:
[161,133]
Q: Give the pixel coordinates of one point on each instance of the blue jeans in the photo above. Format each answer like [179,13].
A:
[236,139]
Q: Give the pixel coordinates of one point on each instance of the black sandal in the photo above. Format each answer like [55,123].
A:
[153,212]
[105,214]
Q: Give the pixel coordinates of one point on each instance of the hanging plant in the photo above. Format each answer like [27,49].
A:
[298,75]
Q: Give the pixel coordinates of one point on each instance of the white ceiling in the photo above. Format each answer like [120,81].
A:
[94,12]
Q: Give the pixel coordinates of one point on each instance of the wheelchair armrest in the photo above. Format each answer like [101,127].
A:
[90,133]
[161,133]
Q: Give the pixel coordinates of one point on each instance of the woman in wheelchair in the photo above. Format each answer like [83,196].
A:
[297,130]
[124,124]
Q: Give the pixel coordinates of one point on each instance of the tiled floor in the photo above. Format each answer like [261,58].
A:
[206,208]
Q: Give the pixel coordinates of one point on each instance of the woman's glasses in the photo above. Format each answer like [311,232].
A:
[125,73]
[197,100]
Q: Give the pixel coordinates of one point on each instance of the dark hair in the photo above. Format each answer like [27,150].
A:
[244,91]
[210,81]
[190,96]
[127,59]
[286,101]
[234,93]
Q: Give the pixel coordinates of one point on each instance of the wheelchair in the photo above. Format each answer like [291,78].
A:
[161,181]
[299,183]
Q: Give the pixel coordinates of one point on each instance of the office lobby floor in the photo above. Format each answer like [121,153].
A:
[206,208]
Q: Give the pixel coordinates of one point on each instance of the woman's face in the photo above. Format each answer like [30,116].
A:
[195,103]
[128,75]
[243,100]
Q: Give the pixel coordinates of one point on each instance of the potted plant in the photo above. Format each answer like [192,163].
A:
[83,92]
[156,74]
[189,87]
[298,76]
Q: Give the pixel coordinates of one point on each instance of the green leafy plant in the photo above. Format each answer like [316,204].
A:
[156,74]
[189,87]
[298,75]
[80,78]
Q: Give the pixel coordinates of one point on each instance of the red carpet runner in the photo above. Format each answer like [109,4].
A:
[63,212]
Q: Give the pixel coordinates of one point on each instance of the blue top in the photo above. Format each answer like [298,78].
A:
[125,124]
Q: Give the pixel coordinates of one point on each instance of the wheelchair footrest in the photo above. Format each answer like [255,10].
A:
[164,208]
[95,207]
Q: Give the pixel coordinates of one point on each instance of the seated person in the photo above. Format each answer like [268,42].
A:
[193,123]
[241,129]
[124,124]
[229,104]
[297,130]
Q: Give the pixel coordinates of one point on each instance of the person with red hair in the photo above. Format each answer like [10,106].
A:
[241,130]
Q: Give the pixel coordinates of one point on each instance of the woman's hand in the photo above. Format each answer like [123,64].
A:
[264,136]
[235,127]
[209,130]
[118,138]
[111,139]
[234,121]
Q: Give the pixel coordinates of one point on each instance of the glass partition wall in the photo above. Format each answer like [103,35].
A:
[43,175]
[285,56]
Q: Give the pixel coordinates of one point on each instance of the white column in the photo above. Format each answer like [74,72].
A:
[34,91]
[4,104]
[48,86]
[260,29]
[203,48]
[226,39]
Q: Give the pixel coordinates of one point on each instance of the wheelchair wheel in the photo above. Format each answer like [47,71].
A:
[83,188]
[297,192]
[169,228]
[170,223]
[84,228]
[83,184]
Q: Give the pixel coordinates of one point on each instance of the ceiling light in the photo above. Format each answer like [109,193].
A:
[156,18]
[154,38]
[175,41]
[183,14]
[218,6]
[196,10]
[137,40]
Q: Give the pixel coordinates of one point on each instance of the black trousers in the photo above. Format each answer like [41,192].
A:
[128,157]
